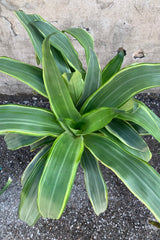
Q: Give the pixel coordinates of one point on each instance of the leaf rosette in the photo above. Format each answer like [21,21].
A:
[93,118]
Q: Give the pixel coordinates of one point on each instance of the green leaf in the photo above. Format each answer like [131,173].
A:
[128,105]
[61,42]
[144,117]
[41,142]
[127,134]
[92,79]
[60,99]
[95,120]
[84,38]
[123,86]
[145,155]
[28,74]
[40,156]
[28,120]
[75,86]
[141,179]
[60,62]
[28,210]
[95,185]
[6,186]
[15,141]
[58,176]
[34,34]
[37,39]
[113,66]
[139,129]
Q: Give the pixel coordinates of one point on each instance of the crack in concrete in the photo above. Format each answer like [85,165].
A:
[11,25]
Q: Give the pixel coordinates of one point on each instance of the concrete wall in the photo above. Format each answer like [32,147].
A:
[132,24]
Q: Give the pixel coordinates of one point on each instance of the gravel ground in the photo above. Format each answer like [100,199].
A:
[125,219]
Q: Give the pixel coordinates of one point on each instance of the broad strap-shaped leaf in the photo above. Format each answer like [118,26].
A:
[123,86]
[113,66]
[95,184]
[92,79]
[95,120]
[30,167]
[127,134]
[28,120]
[15,141]
[42,142]
[34,34]
[37,40]
[61,42]
[58,175]
[6,185]
[83,37]
[141,179]
[145,155]
[144,117]
[28,74]
[75,86]
[57,91]
[60,62]
[28,210]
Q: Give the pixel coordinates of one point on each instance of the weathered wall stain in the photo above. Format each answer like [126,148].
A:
[132,25]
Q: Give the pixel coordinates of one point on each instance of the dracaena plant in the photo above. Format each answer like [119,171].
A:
[93,118]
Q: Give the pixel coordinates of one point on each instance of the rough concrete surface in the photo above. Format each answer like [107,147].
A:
[125,219]
[133,25]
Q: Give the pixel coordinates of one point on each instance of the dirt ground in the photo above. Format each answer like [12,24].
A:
[125,219]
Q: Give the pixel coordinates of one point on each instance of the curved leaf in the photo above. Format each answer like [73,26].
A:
[92,78]
[75,86]
[35,36]
[40,156]
[113,66]
[95,185]
[124,85]
[127,134]
[28,210]
[145,155]
[84,38]
[141,179]
[15,141]
[58,175]
[37,40]
[41,142]
[28,120]
[60,99]
[95,120]
[60,62]
[28,74]
[144,117]
[61,42]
